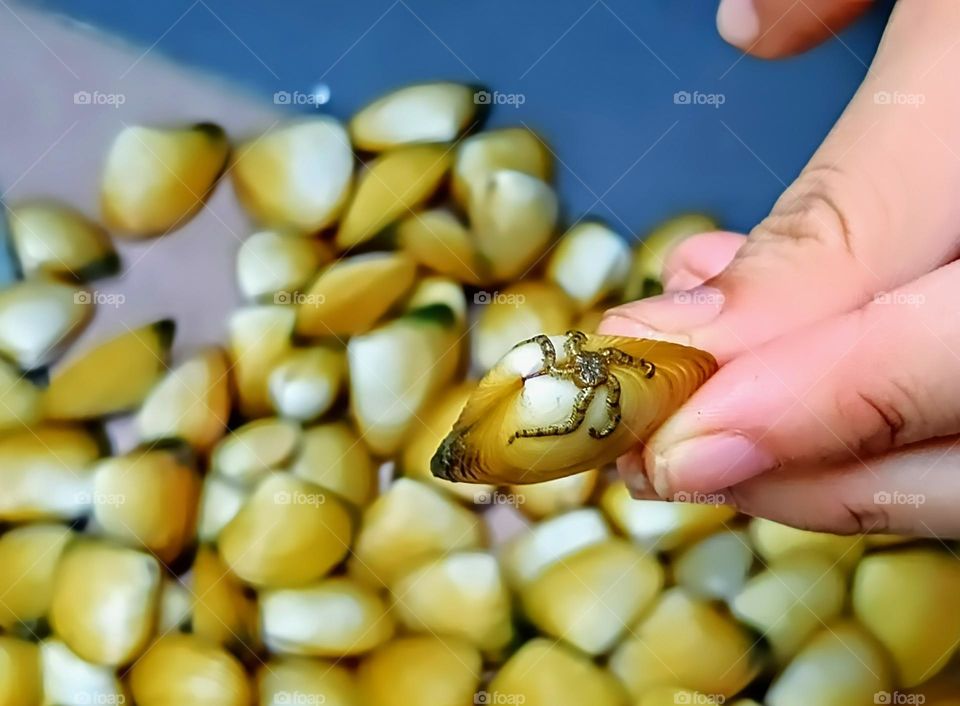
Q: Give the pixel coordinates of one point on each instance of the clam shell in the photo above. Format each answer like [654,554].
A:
[520,394]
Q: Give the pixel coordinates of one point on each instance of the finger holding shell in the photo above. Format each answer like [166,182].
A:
[558,405]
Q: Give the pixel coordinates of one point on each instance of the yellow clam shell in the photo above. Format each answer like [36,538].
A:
[522,424]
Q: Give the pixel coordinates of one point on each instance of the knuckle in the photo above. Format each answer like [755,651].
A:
[880,416]
[828,208]
[808,212]
[833,515]
[852,518]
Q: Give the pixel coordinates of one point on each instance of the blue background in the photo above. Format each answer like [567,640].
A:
[597,78]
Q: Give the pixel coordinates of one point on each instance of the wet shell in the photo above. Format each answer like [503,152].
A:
[522,424]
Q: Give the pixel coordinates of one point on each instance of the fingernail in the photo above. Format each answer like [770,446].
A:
[673,312]
[616,325]
[630,468]
[645,492]
[680,280]
[708,463]
[738,22]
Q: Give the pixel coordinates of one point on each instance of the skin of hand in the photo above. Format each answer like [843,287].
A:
[837,322]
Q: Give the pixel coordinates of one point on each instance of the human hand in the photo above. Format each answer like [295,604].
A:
[837,321]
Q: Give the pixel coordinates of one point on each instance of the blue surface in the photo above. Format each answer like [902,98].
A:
[598,80]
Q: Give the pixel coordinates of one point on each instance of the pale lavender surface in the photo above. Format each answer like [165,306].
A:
[59,146]
[55,147]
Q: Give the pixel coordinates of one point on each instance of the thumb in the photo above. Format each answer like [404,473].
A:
[886,175]
[912,491]
[699,258]
[775,28]
[849,388]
